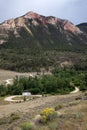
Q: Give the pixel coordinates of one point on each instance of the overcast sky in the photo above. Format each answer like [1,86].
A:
[73,10]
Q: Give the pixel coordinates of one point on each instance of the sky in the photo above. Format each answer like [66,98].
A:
[73,10]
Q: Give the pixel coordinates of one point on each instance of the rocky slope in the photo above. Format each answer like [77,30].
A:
[42,31]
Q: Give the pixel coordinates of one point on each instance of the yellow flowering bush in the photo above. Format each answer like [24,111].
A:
[48,114]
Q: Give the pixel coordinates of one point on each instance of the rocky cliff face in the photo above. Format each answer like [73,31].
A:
[19,22]
[44,30]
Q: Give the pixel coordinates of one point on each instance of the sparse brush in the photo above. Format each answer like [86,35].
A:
[59,106]
[14,116]
[27,126]
[78,115]
[53,125]
[2,121]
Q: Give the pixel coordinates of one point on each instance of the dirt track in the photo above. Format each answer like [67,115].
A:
[10,98]
[28,106]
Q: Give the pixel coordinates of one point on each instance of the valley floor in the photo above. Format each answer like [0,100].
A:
[27,110]
[8,75]
[73,109]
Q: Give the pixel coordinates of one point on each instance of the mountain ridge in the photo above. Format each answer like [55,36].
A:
[33,41]
[50,25]
[31,15]
[35,19]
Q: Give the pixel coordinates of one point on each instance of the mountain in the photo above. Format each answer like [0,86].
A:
[36,30]
[33,40]
[83,27]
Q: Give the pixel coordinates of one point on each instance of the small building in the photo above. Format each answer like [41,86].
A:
[26,93]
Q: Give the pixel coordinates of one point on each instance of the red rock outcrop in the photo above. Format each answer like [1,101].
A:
[31,15]
[19,22]
[71,27]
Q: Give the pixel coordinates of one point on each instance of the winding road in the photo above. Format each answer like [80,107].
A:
[75,91]
[10,98]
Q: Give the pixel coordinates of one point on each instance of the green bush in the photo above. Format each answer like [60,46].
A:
[27,126]
[53,125]
[14,116]
[59,106]
[2,121]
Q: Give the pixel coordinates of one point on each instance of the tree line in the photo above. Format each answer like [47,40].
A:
[60,82]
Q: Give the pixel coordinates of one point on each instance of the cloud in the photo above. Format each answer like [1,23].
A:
[74,10]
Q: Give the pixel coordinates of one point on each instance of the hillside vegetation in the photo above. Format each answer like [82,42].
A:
[33,41]
[29,59]
[60,82]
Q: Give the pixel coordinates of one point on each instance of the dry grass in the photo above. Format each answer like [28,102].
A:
[7,74]
[72,118]
[2,102]
[27,97]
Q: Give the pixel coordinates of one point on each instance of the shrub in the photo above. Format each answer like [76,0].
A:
[78,115]
[27,126]
[48,114]
[53,125]
[2,121]
[15,116]
[59,106]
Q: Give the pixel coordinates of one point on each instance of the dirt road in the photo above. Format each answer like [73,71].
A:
[10,98]
[76,90]
[28,106]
